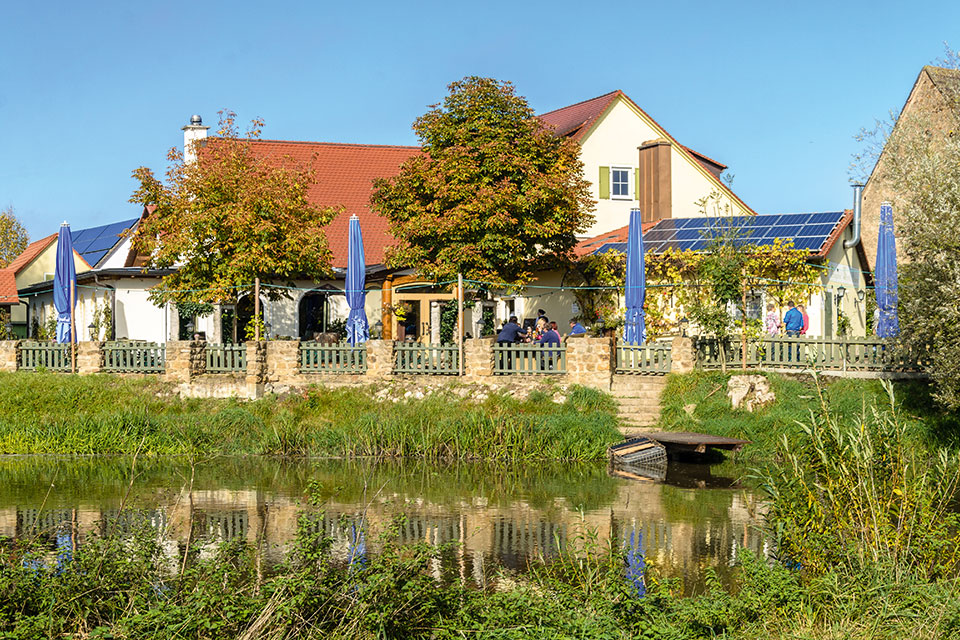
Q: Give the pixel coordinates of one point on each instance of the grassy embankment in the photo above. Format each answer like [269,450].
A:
[698,402]
[60,414]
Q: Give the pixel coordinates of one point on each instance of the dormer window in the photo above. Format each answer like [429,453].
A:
[620,183]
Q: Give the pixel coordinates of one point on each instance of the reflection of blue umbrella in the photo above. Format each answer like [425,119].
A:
[64,279]
[635,331]
[888,325]
[357,329]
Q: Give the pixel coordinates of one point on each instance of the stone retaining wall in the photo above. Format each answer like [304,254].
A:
[274,367]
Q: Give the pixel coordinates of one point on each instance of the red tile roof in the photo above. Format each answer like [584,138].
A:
[589,245]
[345,174]
[8,287]
[30,253]
[576,119]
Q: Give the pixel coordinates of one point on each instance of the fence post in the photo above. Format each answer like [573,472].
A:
[478,357]
[256,367]
[89,357]
[8,355]
[683,355]
[379,358]
[179,361]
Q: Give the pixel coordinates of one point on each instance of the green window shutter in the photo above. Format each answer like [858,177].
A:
[636,184]
[604,183]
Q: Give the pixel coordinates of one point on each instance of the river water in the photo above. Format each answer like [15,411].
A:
[500,517]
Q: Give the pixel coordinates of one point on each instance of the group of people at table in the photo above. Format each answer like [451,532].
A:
[543,331]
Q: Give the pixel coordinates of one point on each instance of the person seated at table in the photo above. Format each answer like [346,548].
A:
[511,332]
[551,336]
[576,328]
[543,324]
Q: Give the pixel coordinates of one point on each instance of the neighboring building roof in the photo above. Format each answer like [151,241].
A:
[8,287]
[577,120]
[947,81]
[813,232]
[94,243]
[29,254]
[344,177]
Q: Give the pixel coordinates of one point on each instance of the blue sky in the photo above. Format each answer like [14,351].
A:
[90,91]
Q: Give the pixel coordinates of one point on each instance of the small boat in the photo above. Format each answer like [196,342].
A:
[638,451]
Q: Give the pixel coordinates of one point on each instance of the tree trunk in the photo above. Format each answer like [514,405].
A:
[743,327]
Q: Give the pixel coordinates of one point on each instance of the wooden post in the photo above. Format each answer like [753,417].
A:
[743,320]
[73,325]
[460,320]
[386,311]
[256,309]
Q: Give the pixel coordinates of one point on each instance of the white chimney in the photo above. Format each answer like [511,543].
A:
[191,133]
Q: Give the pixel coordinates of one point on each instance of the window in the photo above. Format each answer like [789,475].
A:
[620,183]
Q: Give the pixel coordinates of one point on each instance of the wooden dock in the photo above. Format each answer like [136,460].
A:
[689,442]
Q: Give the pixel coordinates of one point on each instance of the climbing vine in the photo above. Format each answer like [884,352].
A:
[681,281]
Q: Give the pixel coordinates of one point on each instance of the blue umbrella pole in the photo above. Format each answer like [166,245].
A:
[73,326]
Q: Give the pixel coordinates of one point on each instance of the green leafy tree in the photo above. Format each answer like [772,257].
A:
[921,154]
[13,236]
[228,217]
[494,195]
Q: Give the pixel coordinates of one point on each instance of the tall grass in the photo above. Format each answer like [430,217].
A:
[699,402]
[60,414]
[126,587]
[859,493]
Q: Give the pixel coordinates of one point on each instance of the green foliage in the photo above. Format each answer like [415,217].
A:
[494,195]
[228,216]
[123,586]
[49,413]
[858,493]
[13,236]
[5,334]
[102,321]
[448,321]
[188,309]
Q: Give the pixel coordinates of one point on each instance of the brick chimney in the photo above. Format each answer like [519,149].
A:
[653,186]
[191,133]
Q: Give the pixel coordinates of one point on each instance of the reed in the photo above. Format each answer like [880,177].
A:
[63,414]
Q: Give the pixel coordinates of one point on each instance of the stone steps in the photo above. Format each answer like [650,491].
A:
[638,400]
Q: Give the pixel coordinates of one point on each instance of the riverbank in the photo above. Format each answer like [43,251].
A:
[698,402]
[110,415]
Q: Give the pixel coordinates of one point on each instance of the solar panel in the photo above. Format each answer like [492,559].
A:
[807,231]
[94,243]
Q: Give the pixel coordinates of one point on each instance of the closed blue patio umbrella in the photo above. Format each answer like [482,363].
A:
[885,276]
[635,330]
[358,330]
[64,281]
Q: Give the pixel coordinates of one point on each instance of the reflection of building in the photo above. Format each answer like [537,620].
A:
[683,530]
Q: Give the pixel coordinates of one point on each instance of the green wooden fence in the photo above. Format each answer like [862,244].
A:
[342,357]
[529,358]
[44,355]
[426,358]
[651,359]
[133,357]
[226,358]
[825,354]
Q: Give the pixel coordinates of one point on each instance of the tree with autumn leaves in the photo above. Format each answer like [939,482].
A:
[13,236]
[495,195]
[228,217]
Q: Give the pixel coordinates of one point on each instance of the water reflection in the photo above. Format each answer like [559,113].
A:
[498,517]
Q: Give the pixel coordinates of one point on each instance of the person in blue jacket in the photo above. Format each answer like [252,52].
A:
[510,334]
[793,321]
[576,328]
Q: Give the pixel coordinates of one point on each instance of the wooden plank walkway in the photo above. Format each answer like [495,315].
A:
[686,441]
